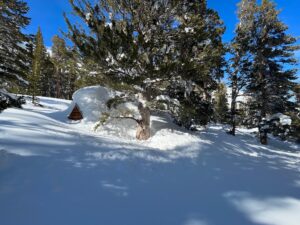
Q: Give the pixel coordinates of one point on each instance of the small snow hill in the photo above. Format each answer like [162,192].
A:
[54,171]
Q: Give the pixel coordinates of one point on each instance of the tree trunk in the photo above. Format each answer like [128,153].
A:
[263,137]
[33,97]
[143,127]
[234,93]
[263,132]
[58,87]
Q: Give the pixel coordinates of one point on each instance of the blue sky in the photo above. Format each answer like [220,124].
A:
[49,15]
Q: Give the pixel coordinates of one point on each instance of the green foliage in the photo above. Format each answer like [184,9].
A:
[271,74]
[114,102]
[135,41]
[37,64]
[221,104]
[15,54]
[295,127]
[263,62]
[103,119]
[66,65]
[47,77]
[162,105]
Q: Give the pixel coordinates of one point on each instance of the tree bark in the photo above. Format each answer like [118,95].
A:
[58,83]
[234,93]
[143,127]
[263,132]
[263,137]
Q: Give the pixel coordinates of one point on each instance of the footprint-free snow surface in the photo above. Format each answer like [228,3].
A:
[54,172]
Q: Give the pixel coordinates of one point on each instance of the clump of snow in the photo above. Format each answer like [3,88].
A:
[283,119]
[4,91]
[92,101]
[88,16]
[121,122]
[127,109]
[189,30]
[120,126]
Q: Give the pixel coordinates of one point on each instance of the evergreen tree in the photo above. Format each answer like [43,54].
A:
[59,52]
[14,53]
[221,103]
[72,71]
[200,59]
[240,63]
[66,64]
[270,80]
[89,74]
[138,44]
[39,54]
[47,81]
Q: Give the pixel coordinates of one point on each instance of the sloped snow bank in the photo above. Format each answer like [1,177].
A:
[223,178]
[120,126]
[92,101]
[165,135]
[283,119]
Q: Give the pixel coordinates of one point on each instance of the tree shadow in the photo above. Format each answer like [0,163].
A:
[86,179]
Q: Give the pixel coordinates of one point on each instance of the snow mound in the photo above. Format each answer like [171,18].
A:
[283,119]
[122,127]
[127,109]
[170,139]
[121,120]
[92,101]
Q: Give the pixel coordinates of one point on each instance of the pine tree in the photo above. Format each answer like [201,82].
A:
[47,82]
[72,71]
[221,103]
[200,59]
[39,54]
[272,54]
[138,44]
[14,53]
[239,65]
[65,61]
[59,52]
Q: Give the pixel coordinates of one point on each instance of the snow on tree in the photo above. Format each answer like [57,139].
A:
[271,74]
[221,104]
[238,66]
[138,46]
[65,61]
[39,55]
[10,100]
[15,55]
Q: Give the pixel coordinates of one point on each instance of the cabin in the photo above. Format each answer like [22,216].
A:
[75,114]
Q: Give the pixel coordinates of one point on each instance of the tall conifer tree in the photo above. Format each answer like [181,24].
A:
[221,103]
[65,61]
[14,54]
[239,65]
[39,55]
[271,72]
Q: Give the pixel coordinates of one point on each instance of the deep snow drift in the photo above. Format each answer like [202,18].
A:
[92,103]
[53,171]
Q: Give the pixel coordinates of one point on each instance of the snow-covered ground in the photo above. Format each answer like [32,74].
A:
[57,172]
